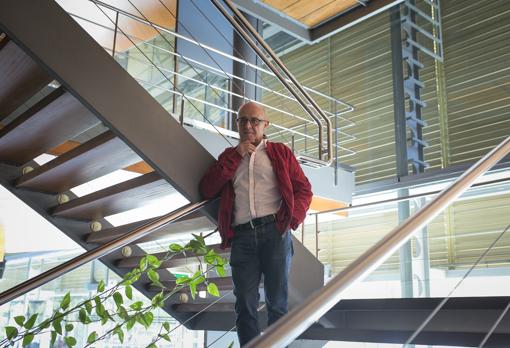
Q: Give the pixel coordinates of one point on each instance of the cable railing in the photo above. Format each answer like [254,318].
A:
[337,114]
[285,330]
[340,107]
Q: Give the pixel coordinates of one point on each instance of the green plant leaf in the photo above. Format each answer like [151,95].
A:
[57,325]
[193,289]
[11,332]
[149,317]
[31,321]
[69,327]
[118,331]
[182,280]
[20,320]
[101,286]
[92,337]
[141,319]
[53,338]
[199,238]
[129,292]
[165,337]
[130,323]
[70,341]
[198,280]
[136,305]
[144,263]
[83,317]
[97,301]
[158,300]
[153,261]
[213,289]
[153,275]
[117,297]
[166,325]
[176,248]
[27,340]
[88,307]
[122,312]
[65,301]
[134,277]
[152,345]
[231,345]
[220,270]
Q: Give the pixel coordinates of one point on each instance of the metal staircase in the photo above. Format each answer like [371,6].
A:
[105,121]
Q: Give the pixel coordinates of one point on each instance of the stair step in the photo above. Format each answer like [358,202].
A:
[95,158]
[55,119]
[201,307]
[223,284]
[178,260]
[118,198]
[20,77]
[192,223]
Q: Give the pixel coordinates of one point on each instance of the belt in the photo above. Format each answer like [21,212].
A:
[257,222]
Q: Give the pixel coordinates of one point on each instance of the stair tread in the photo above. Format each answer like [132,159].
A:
[56,118]
[222,283]
[95,158]
[178,260]
[124,196]
[200,307]
[194,222]
[21,77]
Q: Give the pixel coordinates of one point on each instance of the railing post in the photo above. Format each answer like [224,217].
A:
[317,236]
[115,33]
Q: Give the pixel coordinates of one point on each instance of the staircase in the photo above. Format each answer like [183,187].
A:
[69,98]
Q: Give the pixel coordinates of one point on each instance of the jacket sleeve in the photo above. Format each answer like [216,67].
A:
[302,192]
[220,173]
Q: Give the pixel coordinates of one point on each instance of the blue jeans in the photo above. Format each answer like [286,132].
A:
[262,250]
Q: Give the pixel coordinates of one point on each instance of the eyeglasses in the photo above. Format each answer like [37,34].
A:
[253,121]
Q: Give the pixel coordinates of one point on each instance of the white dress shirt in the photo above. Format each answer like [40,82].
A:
[256,187]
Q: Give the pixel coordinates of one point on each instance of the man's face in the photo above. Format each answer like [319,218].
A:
[251,122]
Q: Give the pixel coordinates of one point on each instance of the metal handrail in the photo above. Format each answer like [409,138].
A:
[401,199]
[100,251]
[286,329]
[240,23]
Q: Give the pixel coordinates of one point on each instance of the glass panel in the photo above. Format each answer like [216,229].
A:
[28,240]
[439,256]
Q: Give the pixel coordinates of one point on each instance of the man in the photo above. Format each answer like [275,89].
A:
[264,193]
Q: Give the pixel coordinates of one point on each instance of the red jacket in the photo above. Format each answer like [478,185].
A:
[294,187]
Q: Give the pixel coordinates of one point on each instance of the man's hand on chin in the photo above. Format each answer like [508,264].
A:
[245,148]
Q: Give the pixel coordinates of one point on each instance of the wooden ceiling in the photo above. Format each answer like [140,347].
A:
[100,27]
[312,12]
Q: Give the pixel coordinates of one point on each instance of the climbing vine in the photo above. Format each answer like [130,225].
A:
[126,312]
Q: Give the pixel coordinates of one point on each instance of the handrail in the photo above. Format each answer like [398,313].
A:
[401,199]
[286,329]
[238,21]
[98,252]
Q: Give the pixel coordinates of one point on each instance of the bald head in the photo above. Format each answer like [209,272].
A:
[251,122]
[252,109]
